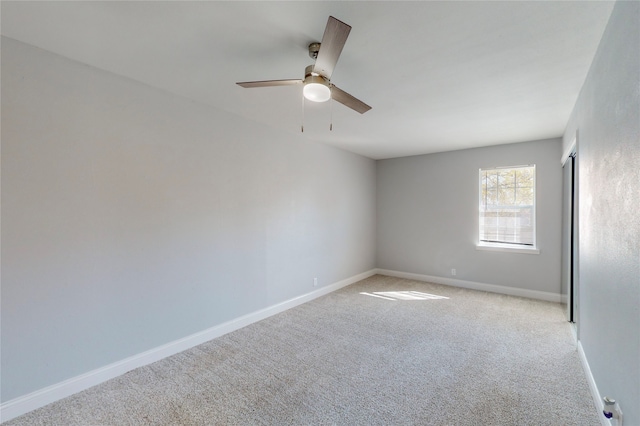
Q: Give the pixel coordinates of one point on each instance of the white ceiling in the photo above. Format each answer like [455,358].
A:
[440,76]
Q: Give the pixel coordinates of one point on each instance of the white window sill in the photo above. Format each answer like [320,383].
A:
[510,248]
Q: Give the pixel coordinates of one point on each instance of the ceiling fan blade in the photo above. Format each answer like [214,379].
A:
[333,40]
[269,83]
[348,100]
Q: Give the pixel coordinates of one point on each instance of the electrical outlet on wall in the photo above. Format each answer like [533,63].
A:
[453,271]
[315,282]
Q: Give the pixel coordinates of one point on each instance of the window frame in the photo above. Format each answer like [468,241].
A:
[507,246]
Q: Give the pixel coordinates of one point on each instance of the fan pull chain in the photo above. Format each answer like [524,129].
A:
[302,124]
[331,109]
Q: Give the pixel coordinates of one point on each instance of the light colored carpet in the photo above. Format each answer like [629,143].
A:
[445,356]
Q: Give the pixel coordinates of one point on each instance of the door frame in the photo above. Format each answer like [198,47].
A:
[571,155]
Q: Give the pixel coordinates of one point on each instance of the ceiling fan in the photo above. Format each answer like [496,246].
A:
[317,77]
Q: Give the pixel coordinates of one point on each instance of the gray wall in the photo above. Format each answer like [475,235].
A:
[131,217]
[607,120]
[428,216]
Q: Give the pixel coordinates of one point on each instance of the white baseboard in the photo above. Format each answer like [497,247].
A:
[492,288]
[597,399]
[23,404]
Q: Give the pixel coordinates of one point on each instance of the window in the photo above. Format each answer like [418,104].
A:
[507,207]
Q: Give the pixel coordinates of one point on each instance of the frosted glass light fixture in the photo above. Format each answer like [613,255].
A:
[316,89]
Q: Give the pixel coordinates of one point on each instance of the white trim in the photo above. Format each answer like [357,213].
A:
[597,399]
[492,288]
[507,248]
[23,404]
[569,151]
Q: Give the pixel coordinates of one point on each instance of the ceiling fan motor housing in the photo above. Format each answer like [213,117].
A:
[309,72]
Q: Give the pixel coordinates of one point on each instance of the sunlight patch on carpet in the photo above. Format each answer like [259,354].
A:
[403,295]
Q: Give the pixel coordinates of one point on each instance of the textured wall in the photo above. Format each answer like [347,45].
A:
[428,216]
[131,218]
[607,120]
